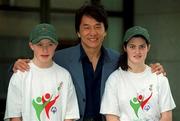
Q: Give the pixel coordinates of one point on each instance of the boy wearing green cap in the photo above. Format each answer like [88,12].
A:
[46,92]
[133,92]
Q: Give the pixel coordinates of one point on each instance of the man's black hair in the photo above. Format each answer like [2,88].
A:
[95,11]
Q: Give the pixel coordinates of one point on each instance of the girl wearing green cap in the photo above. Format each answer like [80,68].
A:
[45,92]
[133,92]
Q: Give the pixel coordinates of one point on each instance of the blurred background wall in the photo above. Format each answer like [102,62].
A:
[160,17]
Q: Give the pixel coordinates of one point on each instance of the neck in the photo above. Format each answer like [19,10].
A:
[137,68]
[92,53]
[42,64]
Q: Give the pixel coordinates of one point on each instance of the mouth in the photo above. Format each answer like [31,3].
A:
[92,39]
[44,56]
[137,56]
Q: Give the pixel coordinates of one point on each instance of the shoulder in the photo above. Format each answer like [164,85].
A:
[115,76]
[63,74]
[64,56]
[115,80]
[17,75]
[162,79]
[116,73]
[112,53]
[18,78]
[111,56]
[61,69]
[22,74]
[158,76]
[67,50]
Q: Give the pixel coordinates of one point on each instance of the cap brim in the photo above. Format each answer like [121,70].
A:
[44,37]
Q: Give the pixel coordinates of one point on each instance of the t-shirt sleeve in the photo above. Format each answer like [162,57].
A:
[72,110]
[109,103]
[166,100]
[14,97]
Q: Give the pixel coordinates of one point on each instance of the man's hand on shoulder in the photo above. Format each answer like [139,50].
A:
[157,68]
[21,64]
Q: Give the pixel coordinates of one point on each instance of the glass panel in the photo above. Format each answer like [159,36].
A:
[113,5]
[71,4]
[114,35]
[29,3]
[17,23]
[64,24]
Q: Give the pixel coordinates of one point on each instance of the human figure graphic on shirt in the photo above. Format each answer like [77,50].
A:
[139,101]
[51,103]
[45,102]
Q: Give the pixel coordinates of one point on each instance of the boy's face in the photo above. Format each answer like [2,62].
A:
[43,51]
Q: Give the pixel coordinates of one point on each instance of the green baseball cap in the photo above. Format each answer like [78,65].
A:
[134,31]
[43,31]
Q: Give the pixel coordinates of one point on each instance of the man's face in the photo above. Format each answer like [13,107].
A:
[91,32]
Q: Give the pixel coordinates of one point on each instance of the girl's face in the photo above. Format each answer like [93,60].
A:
[137,50]
[43,52]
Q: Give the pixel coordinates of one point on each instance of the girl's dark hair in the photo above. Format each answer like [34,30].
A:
[95,11]
[123,62]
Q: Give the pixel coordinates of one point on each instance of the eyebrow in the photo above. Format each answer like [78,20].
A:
[138,45]
[86,24]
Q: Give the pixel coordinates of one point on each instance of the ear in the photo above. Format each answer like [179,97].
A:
[149,47]
[105,33]
[125,50]
[78,34]
[31,46]
[57,45]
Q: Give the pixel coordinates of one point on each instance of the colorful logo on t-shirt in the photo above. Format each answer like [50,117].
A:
[140,101]
[45,102]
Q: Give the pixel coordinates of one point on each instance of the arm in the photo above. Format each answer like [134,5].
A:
[158,68]
[109,104]
[166,116]
[14,98]
[166,101]
[16,119]
[72,109]
[110,117]
[68,120]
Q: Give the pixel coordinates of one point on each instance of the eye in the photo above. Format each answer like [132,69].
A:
[39,44]
[98,26]
[85,27]
[131,46]
[142,46]
[50,44]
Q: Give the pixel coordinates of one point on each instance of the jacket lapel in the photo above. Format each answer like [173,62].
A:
[108,67]
[77,71]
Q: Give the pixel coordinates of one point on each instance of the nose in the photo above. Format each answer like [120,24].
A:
[45,48]
[93,31]
[137,50]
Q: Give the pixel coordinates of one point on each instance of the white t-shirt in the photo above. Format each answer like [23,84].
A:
[137,96]
[42,95]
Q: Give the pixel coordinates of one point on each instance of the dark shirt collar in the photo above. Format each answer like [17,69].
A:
[84,55]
